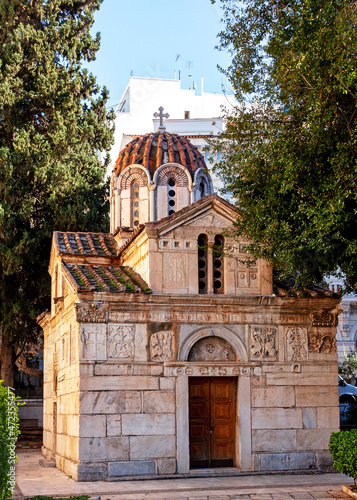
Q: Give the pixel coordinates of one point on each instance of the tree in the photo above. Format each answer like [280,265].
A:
[290,147]
[52,123]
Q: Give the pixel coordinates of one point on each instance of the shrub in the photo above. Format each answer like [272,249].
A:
[343,448]
[9,430]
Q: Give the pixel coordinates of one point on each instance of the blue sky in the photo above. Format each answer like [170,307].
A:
[145,36]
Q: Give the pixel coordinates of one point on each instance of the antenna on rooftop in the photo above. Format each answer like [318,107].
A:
[131,73]
[189,74]
[178,58]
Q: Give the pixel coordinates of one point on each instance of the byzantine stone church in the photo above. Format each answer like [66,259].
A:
[166,354]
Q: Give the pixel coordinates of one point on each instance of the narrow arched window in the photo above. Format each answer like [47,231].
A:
[171,196]
[135,203]
[218,271]
[202,243]
[202,189]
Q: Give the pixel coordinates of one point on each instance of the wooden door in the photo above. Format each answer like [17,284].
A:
[212,421]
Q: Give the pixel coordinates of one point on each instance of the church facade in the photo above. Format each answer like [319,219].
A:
[166,351]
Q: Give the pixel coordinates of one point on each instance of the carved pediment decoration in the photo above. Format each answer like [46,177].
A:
[212,349]
[211,221]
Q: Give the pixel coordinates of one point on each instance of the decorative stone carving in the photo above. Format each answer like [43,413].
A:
[175,270]
[93,342]
[162,346]
[323,318]
[320,342]
[296,344]
[92,314]
[212,349]
[120,341]
[263,342]
[213,370]
[211,221]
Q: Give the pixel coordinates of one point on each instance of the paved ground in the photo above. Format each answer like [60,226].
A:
[33,479]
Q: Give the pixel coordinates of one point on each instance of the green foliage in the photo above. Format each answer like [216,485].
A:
[343,448]
[9,430]
[53,122]
[290,154]
[348,366]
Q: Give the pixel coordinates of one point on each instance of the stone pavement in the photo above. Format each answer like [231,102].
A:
[33,479]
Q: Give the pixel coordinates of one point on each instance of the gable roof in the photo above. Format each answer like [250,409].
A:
[90,244]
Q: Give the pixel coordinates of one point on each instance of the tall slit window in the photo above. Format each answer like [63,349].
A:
[171,196]
[202,243]
[135,200]
[218,271]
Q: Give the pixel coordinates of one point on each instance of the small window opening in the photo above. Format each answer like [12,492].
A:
[202,189]
[218,273]
[202,243]
[187,115]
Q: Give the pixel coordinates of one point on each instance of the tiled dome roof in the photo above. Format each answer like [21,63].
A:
[155,149]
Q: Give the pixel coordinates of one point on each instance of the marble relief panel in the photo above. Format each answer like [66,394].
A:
[120,341]
[162,346]
[93,341]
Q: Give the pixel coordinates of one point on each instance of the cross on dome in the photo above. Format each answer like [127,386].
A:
[161,115]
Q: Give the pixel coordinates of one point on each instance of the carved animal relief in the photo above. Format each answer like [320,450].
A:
[263,341]
[320,342]
[212,349]
[162,346]
[120,341]
[296,344]
[92,314]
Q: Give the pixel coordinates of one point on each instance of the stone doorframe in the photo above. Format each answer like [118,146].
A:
[240,369]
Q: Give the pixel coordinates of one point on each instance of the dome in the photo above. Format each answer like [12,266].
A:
[155,149]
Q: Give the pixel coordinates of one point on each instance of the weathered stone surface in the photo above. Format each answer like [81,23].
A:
[317,396]
[113,425]
[92,426]
[166,466]
[277,418]
[309,420]
[268,397]
[271,440]
[110,402]
[156,370]
[159,402]
[300,379]
[112,382]
[110,369]
[110,448]
[148,447]
[328,418]
[148,424]
[324,461]
[167,383]
[133,468]
[91,472]
[313,439]
[288,461]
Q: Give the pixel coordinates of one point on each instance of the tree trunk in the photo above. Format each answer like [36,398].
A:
[8,359]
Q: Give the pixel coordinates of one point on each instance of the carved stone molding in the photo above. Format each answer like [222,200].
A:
[263,342]
[296,344]
[162,346]
[323,318]
[320,342]
[221,370]
[120,341]
[212,349]
[91,314]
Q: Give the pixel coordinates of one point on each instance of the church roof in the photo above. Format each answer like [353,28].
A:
[94,244]
[155,149]
[104,278]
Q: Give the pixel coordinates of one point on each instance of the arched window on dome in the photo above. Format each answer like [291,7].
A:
[202,243]
[171,196]
[135,203]
[218,264]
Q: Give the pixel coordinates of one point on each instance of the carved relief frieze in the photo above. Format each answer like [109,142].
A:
[296,344]
[212,349]
[213,371]
[120,341]
[91,314]
[93,342]
[323,318]
[162,346]
[175,270]
[321,342]
[263,342]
